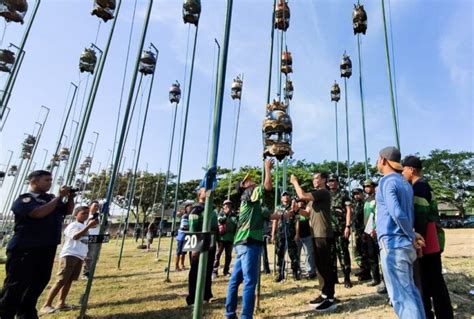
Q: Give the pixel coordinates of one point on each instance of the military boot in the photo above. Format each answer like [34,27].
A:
[347,279]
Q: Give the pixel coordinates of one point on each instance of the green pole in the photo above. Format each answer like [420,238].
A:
[347,138]
[165,189]
[181,153]
[362,108]
[389,69]
[113,175]
[235,141]
[206,225]
[337,140]
[8,85]
[92,96]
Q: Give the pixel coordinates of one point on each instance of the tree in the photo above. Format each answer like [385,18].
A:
[450,176]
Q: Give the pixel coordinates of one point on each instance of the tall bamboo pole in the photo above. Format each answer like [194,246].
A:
[366,166]
[337,139]
[111,186]
[347,137]
[206,225]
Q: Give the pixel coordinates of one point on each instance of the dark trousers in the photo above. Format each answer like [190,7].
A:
[434,287]
[373,256]
[193,274]
[27,273]
[341,252]
[324,264]
[221,247]
[266,264]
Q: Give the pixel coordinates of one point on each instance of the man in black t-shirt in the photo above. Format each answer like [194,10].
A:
[319,212]
[30,253]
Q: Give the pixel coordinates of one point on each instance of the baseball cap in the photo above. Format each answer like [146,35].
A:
[357,190]
[228,202]
[285,193]
[412,161]
[393,156]
[369,182]
[332,177]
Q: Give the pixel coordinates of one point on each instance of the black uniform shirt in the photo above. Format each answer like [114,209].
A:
[36,232]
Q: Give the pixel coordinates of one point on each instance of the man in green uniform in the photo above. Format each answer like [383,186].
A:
[358,225]
[370,236]
[341,222]
[225,239]
[285,230]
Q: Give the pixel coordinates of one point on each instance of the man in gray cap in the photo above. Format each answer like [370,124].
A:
[397,240]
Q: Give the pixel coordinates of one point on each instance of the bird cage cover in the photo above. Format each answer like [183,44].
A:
[191,11]
[335,92]
[110,4]
[175,93]
[147,63]
[286,62]
[12,171]
[2,175]
[236,89]
[288,89]
[282,15]
[7,56]
[105,14]
[88,60]
[346,66]
[359,19]
[30,139]
[14,10]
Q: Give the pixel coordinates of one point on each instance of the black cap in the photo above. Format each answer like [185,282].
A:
[412,161]
[285,193]
[333,177]
[357,190]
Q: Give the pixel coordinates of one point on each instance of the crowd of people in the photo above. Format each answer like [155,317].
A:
[394,223]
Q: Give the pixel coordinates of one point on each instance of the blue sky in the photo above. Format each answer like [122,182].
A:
[434,66]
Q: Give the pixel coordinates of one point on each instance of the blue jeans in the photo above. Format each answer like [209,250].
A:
[307,244]
[246,268]
[397,267]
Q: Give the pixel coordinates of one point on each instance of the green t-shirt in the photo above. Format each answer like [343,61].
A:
[196,217]
[251,218]
[369,207]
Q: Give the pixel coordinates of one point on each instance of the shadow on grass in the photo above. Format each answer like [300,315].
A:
[121,275]
[171,313]
[162,297]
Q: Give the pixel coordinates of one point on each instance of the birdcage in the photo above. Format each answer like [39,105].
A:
[13,10]
[88,60]
[286,62]
[147,63]
[12,170]
[288,89]
[346,66]
[7,59]
[175,93]
[64,154]
[236,89]
[191,11]
[104,9]
[359,19]
[335,92]
[277,131]
[282,15]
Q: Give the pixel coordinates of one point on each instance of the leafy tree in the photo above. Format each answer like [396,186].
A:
[450,176]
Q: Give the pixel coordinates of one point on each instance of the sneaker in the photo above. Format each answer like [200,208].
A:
[326,306]
[373,283]
[317,301]
[47,310]
[382,289]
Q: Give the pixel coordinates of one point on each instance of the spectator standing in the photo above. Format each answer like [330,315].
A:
[427,223]
[183,227]
[305,240]
[397,239]
[319,212]
[31,250]
[227,221]
[284,235]
[150,235]
[93,230]
[72,255]
[358,225]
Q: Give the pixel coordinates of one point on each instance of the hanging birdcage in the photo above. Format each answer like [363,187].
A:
[27,146]
[79,183]
[346,66]
[2,176]
[64,154]
[191,11]
[30,139]
[175,93]
[236,89]
[13,10]
[282,15]
[288,89]
[88,60]
[335,92]
[277,129]
[359,19]
[12,170]
[104,9]
[82,169]
[88,161]
[60,180]
[286,62]
[147,63]
[7,59]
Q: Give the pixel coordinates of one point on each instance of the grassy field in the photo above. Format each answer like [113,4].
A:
[138,289]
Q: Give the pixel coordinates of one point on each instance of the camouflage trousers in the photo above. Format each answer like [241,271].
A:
[292,252]
[341,251]
[361,252]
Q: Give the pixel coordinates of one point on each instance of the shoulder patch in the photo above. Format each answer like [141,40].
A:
[26,200]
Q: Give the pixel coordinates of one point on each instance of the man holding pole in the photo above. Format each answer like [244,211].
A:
[248,244]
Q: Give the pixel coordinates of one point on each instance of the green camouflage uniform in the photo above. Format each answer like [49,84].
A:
[285,237]
[339,201]
[358,225]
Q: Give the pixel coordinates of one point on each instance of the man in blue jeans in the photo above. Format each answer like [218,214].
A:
[248,244]
[397,239]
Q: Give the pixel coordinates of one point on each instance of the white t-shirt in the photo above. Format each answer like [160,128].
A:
[77,248]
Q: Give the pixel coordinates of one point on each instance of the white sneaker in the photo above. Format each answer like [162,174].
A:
[47,310]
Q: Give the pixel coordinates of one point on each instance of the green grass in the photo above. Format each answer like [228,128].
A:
[139,290]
